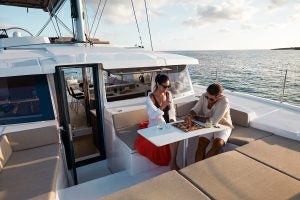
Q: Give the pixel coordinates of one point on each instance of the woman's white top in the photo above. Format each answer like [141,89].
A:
[155,114]
[218,114]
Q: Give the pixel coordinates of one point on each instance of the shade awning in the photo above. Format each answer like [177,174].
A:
[39,4]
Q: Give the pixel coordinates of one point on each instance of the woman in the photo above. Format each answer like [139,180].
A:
[160,110]
[212,106]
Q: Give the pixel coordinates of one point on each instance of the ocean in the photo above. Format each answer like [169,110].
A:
[256,72]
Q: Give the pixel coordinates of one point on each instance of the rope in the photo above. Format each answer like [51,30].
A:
[95,17]
[52,22]
[57,25]
[100,18]
[86,17]
[148,25]
[137,25]
[50,18]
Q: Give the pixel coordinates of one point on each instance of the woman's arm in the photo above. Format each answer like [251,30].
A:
[152,110]
[172,111]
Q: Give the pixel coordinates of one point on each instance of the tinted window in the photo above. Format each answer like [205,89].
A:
[25,99]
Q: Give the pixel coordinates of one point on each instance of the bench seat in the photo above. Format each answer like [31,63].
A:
[32,165]
[129,135]
[170,185]
[232,175]
[243,135]
[280,153]
[30,174]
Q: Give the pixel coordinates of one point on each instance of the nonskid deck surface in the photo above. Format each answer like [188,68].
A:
[100,187]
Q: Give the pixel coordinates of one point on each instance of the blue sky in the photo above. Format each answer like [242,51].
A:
[181,25]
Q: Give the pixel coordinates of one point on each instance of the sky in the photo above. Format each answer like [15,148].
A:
[178,25]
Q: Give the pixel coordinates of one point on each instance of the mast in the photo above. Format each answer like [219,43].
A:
[77,13]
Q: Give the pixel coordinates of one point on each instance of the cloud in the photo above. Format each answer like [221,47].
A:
[278,3]
[121,12]
[225,30]
[235,10]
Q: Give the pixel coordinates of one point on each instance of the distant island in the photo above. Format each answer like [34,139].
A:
[288,48]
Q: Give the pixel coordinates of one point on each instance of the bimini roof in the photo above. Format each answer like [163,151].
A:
[42,60]
[40,4]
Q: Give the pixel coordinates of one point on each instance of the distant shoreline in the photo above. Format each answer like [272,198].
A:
[288,48]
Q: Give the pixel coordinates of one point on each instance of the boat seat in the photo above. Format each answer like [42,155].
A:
[170,185]
[243,134]
[232,175]
[280,153]
[33,164]
[126,125]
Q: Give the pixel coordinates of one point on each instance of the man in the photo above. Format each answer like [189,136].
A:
[212,106]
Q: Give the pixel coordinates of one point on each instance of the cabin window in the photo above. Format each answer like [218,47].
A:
[121,86]
[180,81]
[25,99]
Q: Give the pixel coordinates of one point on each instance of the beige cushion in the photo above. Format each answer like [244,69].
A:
[5,151]
[233,175]
[242,135]
[240,117]
[128,135]
[183,109]
[32,138]
[166,186]
[30,174]
[127,119]
[280,153]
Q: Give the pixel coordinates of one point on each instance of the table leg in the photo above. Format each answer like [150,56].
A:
[184,151]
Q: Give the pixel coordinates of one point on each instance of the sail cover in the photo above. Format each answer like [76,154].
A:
[40,4]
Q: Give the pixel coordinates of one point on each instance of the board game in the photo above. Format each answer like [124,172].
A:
[183,126]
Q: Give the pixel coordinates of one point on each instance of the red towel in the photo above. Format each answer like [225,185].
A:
[158,155]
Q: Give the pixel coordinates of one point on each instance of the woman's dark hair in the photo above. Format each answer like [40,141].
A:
[214,89]
[160,79]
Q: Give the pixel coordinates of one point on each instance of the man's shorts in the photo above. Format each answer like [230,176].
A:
[224,135]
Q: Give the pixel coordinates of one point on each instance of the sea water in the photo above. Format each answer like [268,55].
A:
[257,72]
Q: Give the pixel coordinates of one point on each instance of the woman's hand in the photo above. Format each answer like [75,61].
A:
[165,104]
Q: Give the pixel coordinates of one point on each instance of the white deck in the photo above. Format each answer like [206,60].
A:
[98,188]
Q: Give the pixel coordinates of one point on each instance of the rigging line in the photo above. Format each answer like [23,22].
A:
[64,25]
[100,18]
[46,24]
[86,17]
[52,22]
[148,25]
[57,25]
[137,25]
[95,17]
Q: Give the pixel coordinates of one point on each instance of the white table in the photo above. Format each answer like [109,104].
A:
[167,134]
[2,130]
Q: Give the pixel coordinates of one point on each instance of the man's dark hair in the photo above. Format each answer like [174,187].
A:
[214,89]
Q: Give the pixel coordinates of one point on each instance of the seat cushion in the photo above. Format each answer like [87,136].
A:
[32,138]
[241,116]
[5,151]
[232,175]
[280,153]
[128,135]
[243,135]
[170,185]
[30,174]
[127,119]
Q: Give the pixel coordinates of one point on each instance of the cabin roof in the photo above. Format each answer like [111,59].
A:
[42,59]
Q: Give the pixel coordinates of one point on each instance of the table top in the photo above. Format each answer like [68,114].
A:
[167,134]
